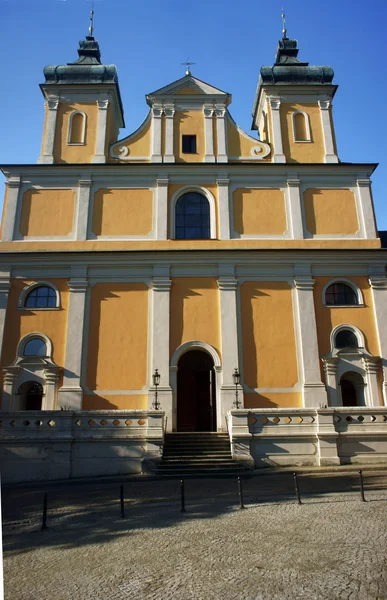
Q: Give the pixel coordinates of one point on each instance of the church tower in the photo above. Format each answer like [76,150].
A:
[293,108]
[83,108]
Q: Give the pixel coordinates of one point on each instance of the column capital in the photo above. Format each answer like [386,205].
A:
[304,283]
[324,104]
[5,283]
[162,182]
[52,375]
[78,284]
[378,283]
[86,183]
[52,102]
[220,111]
[169,111]
[13,183]
[223,181]
[10,374]
[364,182]
[293,182]
[208,111]
[330,365]
[372,365]
[227,283]
[161,284]
[103,103]
[275,102]
[157,111]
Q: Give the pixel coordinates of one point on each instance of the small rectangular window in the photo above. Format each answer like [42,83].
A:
[189,144]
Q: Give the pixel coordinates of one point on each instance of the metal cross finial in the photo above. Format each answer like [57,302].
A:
[91,26]
[283,24]
[187,65]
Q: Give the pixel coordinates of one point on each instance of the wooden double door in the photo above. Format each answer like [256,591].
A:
[196,401]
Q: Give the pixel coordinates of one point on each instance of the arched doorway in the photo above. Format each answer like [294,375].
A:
[196,401]
[352,389]
[30,396]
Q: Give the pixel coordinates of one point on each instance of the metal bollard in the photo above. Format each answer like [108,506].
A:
[182,496]
[122,502]
[297,488]
[362,487]
[44,516]
[241,505]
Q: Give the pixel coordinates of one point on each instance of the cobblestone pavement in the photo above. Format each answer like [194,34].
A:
[332,547]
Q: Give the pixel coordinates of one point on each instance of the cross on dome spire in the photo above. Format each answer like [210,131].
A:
[284,30]
[91,26]
[187,65]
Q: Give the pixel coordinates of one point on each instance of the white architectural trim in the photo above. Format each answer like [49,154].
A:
[275,104]
[199,190]
[221,133]
[314,392]
[82,208]
[162,208]
[169,112]
[195,345]
[157,113]
[71,394]
[84,121]
[342,327]
[378,285]
[103,105]
[293,209]
[208,112]
[30,287]
[307,126]
[224,207]
[350,284]
[11,208]
[5,281]
[366,212]
[22,343]
[47,156]
[326,124]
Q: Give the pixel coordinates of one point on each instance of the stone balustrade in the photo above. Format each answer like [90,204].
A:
[39,445]
[304,436]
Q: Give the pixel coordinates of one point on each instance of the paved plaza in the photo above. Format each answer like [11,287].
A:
[332,547]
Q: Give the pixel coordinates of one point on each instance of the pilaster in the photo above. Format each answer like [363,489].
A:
[84,187]
[169,111]
[379,294]
[366,207]
[13,186]
[162,208]
[9,379]
[224,208]
[372,369]
[208,134]
[330,369]
[313,390]
[4,291]
[49,398]
[100,156]
[47,156]
[221,132]
[70,394]
[159,341]
[327,437]
[294,209]
[275,103]
[326,123]
[228,286]
[157,112]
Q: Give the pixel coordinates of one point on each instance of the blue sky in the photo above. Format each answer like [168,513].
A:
[228,41]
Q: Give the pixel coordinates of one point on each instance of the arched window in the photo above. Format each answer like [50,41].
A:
[345,338]
[41,297]
[340,294]
[192,217]
[35,346]
[301,129]
[31,395]
[77,128]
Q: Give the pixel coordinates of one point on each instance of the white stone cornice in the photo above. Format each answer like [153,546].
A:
[365,182]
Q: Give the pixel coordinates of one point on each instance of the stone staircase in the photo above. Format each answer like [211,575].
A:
[190,454]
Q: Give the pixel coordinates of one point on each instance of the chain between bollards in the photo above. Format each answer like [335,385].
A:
[297,488]
[362,487]
[44,516]
[122,502]
[182,497]
[241,505]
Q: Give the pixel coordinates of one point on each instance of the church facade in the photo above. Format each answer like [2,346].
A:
[222,272]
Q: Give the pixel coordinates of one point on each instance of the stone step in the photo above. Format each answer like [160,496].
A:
[194,452]
[196,459]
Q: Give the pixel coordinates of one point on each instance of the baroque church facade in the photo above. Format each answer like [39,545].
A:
[192,248]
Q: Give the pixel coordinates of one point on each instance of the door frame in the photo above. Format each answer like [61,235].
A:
[195,345]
